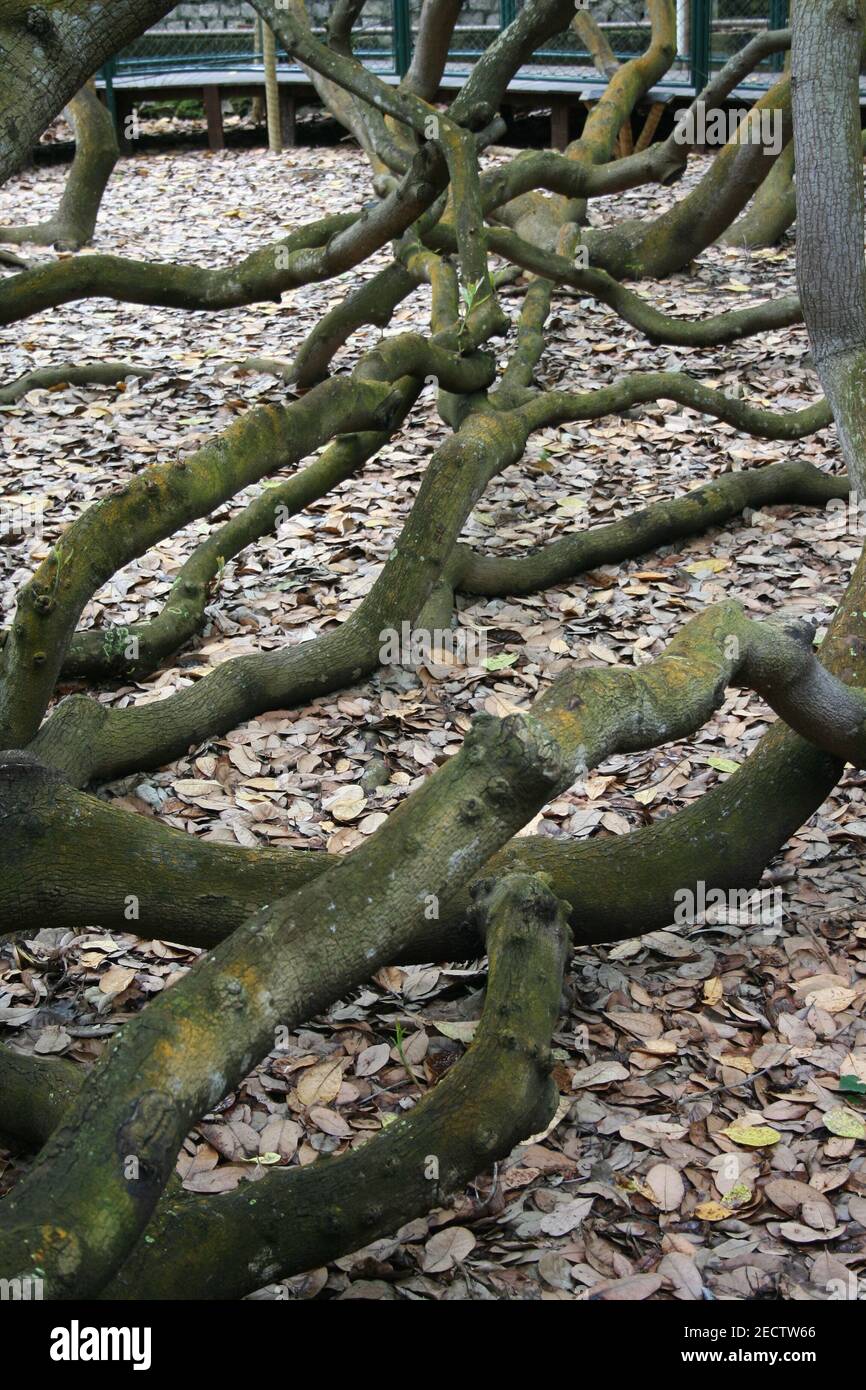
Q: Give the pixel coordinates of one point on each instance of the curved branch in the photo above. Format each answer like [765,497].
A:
[715,330]
[312,253]
[771,211]
[156,502]
[211,1026]
[89,741]
[496,1095]
[135,651]
[662,162]
[152,505]
[96,153]
[96,374]
[667,243]
[563,407]
[793,482]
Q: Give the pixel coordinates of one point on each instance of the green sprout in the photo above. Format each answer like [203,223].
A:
[399,1039]
[471,295]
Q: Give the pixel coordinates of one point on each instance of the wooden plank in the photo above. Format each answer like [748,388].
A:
[288,123]
[559,114]
[213,110]
[650,126]
[624,141]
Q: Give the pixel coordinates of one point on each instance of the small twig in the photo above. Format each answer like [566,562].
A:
[734,1085]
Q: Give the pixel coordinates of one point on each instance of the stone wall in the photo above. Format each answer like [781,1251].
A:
[236,14]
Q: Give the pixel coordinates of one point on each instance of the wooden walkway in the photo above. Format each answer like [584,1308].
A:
[533,86]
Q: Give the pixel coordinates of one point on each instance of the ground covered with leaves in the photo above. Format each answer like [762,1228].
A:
[709,1140]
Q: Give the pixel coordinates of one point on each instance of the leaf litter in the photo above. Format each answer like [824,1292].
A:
[710,1136]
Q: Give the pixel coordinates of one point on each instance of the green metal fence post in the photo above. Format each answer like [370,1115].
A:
[107,72]
[402,37]
[507,12]
[702,20]
[778,19]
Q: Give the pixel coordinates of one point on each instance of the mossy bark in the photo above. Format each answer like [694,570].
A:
[96,153]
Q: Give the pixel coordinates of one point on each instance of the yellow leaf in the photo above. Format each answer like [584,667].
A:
[571,504]
[845,1123]
[722,764]
[753,1136]
[712,1211]
[713,990]
[738,1195]
[833,1000]
[711,565]
[321,1083]
[738,1063]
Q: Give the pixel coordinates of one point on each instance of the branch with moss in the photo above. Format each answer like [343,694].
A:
[96,153]
[136,650]
[552,408]
[667,243]
[499,1093]
[795,482]
[539,219]
[662,162]
[89,741]
[95,374]
[496,1095]
[312,253]
[285,963]
[658,327]
[156,502]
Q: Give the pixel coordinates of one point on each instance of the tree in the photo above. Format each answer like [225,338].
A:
[289,932]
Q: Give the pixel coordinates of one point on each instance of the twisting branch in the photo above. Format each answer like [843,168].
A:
[498,1094]
[96,374]
[318,251]
[662,162]
[563,407]
[135,651]
[96,153]
[660,523]
[156,502]
[659,327]
[533,216]
[667,243]
[213,1025]
[90,741]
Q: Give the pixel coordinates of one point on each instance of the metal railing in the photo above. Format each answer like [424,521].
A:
[708,31]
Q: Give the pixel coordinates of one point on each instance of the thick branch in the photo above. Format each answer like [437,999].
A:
[96,153]
[496,1095]
[96,374]
[797,482]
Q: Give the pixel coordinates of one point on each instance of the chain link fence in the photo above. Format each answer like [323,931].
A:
[225,36]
